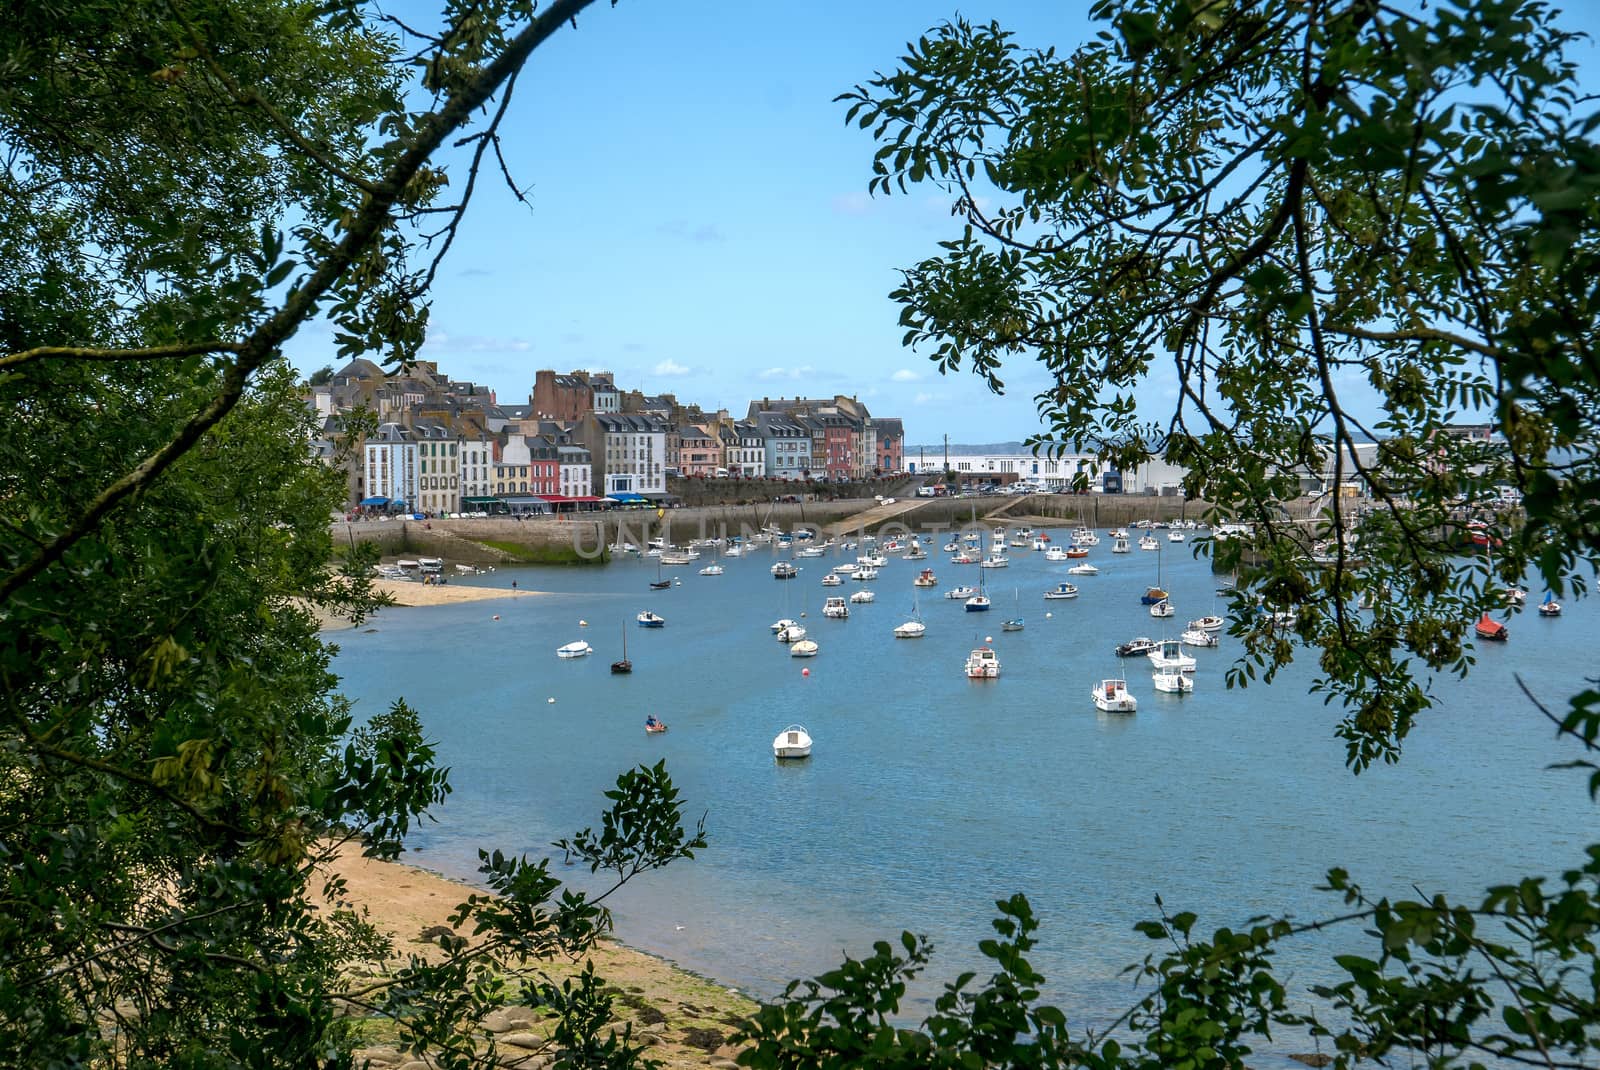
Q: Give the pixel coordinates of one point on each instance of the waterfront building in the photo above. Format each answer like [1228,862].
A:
[699,451]
[576,481]
[628,452]
[747,458]
[607,398]
[889,444]
[528,464]
[389,464]
[786,446]
[438,469]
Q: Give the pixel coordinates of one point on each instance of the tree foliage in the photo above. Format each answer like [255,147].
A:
[1328,223]
[186,185]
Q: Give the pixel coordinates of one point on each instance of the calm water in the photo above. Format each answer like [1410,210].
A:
[929,796]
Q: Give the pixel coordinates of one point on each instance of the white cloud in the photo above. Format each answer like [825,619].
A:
[671,367]
[906,375]
[786,373]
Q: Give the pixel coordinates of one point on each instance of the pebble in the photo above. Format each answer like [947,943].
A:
[523,1040]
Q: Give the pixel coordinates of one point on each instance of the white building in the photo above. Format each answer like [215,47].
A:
[390,467]
[477,468]
[748,456]
[576,471]
[438,469]
[631,454]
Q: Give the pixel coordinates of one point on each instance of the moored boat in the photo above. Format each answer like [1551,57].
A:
[1490,629]
[983,664]
[804,648]
[1168,656]
[861,597]
[1111,696]
[925,578]
[962,591]
[1062,590]
[1172,682]
[648,619]
[783,570]
[1549,607]
[580,649]
[792,742]
[1134,648]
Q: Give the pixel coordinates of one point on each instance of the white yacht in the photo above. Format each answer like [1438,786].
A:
[1111,696]
[792,634]
[1062,590]
[835,607]
[862,596]
[580,649]
[1173,683]
[1169,656]
[983,664]
[792,742]
[804,648]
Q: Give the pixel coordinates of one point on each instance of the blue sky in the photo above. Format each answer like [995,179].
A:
[699,222]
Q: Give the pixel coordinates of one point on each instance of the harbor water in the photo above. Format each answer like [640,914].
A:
[929,795]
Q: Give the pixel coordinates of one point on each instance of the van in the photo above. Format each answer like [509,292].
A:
[928,491]
[722,473]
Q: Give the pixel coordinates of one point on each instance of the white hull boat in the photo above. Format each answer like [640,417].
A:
[792,742]
[1169,657]
[1056,553]
[1173,683]
[779,625]
[580,649]
[835,607]
[1083,569]
[711,570]
[805,648]
[865,574]
[1120,546]
[862,597]
[1060,591]
[1111,696]
[961,592]
[1197,637]
[983,664]
[911,629]
[1162,609]
[832,580]
[792,634]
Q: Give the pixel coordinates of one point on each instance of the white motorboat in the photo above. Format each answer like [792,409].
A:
[1175,536]
[1041,544]
[1083,568]
[803,648]
[872,560]
[1199,637]
[963,558]
[1209,623]
[780,625]
[864,574]
[675,558]
[1111,696]
[1549,607]
[846,569]
[915,552]
[1056,553]
[1085,537]
[1148,542]
[983,664]
[951,547]
[835,607]
[433,565]
[783,570]
[833,579]
[1135,648]
[1020,542]
[1173,683]
[1161,609]
[811,551]
[792,634]
[648,619]
[407,565]
[994,561]
[1120,546]
[961,592]
[926,578]
[711,570]
[1168,656]
[1060,591]
[792,742]
[734,551]
[580,649]
[862,597]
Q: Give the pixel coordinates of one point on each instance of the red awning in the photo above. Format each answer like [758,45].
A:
[577,498]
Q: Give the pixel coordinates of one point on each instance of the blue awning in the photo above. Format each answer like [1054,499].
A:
[374,501]
[623,496]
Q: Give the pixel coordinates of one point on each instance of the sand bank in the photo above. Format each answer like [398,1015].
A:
[683,1017]
[413,593]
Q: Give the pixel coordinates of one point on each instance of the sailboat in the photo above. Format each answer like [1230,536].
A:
[1015,623]
[659,584]
[913,628]
[1549,607]
[978,603]
[624,666]
[1158,593]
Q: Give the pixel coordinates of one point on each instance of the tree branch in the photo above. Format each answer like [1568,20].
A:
[182,349]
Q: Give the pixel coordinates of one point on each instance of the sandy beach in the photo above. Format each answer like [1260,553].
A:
[412,593]
[685,1019]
